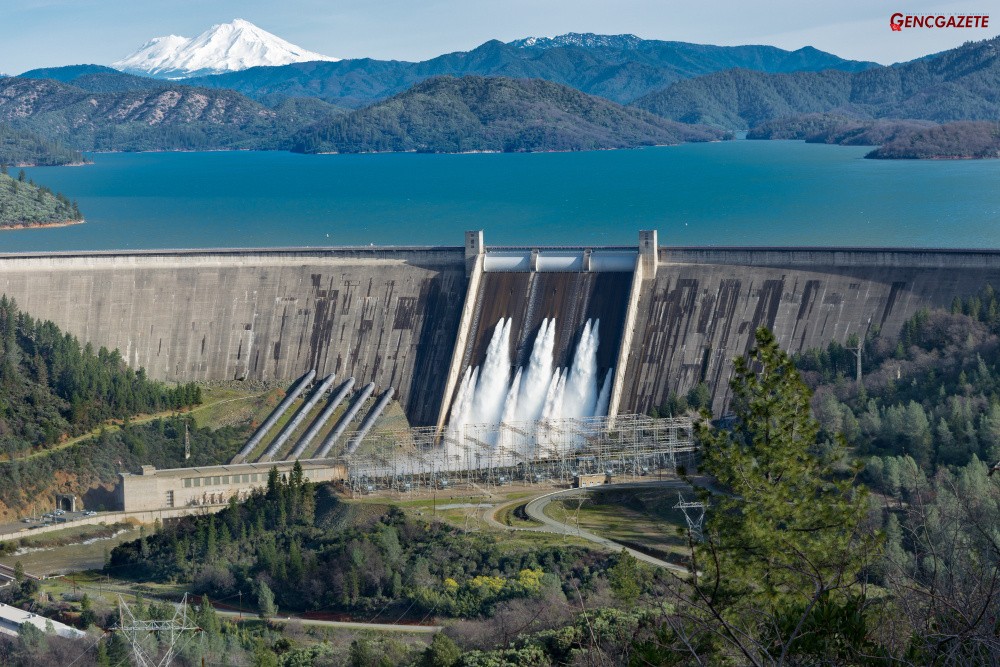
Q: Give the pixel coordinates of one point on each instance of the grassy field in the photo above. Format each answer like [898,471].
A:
[643,519]
[467,510]
[71,550]
[513,515]
[225,406]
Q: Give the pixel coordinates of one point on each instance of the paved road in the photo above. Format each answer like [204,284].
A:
[346,625]
[535,509]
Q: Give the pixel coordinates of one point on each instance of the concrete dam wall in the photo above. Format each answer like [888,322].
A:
[392,316]
[387,316]
[703,306]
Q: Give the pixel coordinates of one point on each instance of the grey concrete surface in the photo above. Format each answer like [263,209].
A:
[343,625]
[387,316]
[703,307]
[391,316]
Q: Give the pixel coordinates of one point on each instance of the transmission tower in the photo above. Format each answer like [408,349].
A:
[694,512]
[138,630]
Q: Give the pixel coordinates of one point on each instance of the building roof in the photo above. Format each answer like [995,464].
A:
[12,618]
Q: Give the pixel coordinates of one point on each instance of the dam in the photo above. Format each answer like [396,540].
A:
[420,319]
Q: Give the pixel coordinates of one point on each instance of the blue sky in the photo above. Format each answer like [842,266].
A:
[42,33]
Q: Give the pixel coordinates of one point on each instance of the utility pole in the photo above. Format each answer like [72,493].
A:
[136,631]
[187,442]
[695,519]
[857,353]
[859,350]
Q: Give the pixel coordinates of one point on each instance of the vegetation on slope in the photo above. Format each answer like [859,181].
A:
[933,394]
[620,68]
[800,565]
[898,139]
[95,78]
[837,129]
[953,141]
[89,468]
[925,420]
[739,99]
[19,148]
[959,84]
[168,117]
[448,115]
[298,541]
[52,387]
[24,204]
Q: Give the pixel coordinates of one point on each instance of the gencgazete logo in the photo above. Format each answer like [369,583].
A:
[898,21]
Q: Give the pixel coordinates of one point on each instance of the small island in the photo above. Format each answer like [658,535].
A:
[23,204]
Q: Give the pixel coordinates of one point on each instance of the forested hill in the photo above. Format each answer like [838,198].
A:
[95,78]
[960,84]
[20,148]
[168,117]
[932,393]
[837,129]
[962,140]
[739,99]
[620,68]
[24,204]
[52,387]
[898,139]
[476,113]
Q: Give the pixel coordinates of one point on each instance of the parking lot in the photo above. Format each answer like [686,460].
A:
[55,517]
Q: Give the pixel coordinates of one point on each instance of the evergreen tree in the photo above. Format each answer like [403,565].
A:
[265,601]
[777,576]
[207,619]
[624,578]
[442,652]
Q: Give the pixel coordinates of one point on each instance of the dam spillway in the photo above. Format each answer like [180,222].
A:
[568,299]
[407,317]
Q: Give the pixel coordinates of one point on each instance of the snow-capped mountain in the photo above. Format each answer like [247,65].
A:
[585,39]
[228,47]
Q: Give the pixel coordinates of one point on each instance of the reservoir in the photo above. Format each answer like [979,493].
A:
[728,193]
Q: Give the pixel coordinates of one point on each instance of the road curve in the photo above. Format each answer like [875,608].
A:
[535,509]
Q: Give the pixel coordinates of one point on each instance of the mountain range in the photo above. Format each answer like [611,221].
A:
[620,68]
[959,84]
[486,98]
[165,117]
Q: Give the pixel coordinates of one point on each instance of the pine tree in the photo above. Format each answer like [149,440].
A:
[625,577]
[103,660]
[778,573]
[207,619]
[265,601]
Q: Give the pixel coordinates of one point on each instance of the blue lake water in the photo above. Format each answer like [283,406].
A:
[732,193]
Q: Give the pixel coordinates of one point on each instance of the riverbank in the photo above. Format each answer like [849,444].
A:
[40,225]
